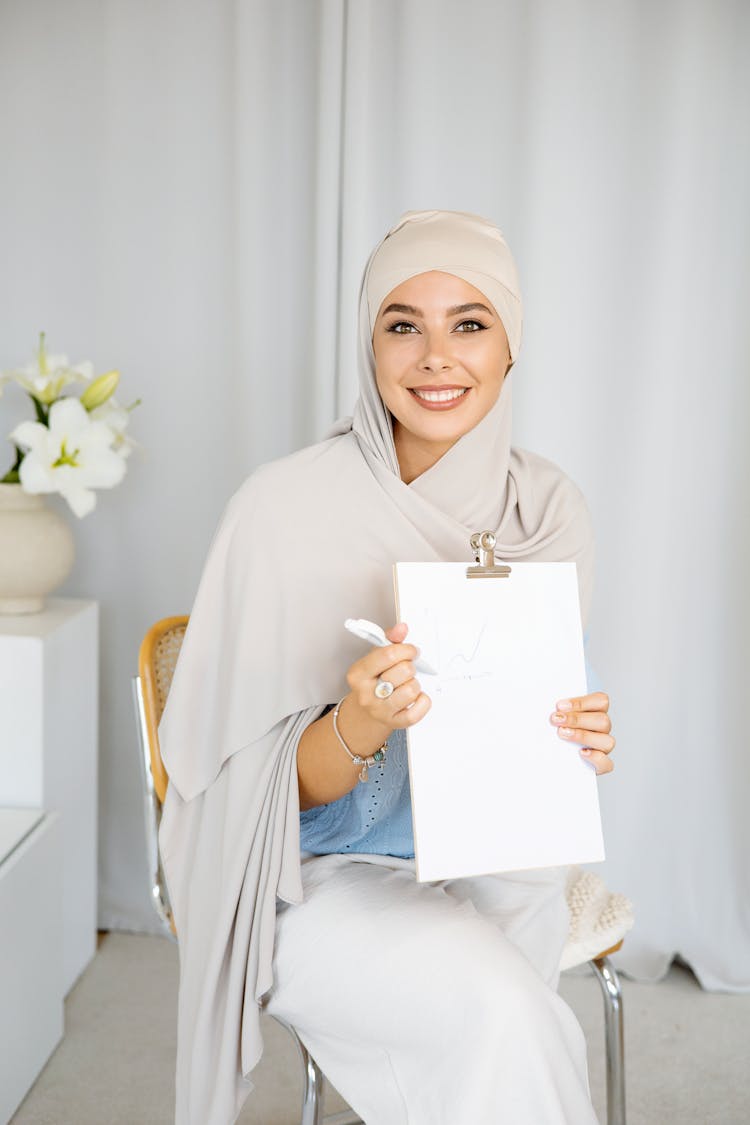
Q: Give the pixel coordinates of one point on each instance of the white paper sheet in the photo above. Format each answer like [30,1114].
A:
[493,786]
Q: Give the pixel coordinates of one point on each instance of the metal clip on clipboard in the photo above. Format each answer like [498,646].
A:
[483,545]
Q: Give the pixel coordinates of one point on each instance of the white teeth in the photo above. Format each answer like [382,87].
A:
[440,396]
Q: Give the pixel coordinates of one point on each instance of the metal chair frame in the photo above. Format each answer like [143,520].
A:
[313,1092]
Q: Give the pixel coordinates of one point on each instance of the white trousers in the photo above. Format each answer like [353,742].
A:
[433,1003]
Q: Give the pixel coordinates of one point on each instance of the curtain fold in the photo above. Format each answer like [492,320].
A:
[190,194]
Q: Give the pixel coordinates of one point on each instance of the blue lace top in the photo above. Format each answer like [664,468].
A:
[375,816]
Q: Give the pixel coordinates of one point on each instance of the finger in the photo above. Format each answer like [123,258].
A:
[396,675]
[582,720]
[603,742]
[397,632]
[411,714]
[597,701]
[399,674]
[378,660]
[408,693]
[601,762]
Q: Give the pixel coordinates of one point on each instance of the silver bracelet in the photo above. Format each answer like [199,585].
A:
[378,756]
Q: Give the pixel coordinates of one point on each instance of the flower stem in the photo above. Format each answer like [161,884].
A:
[42,412]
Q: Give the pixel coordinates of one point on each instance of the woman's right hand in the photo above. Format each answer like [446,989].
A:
[407,704]
[365,722]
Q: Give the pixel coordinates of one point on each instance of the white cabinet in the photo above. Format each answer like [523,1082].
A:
[31,976]
[49,693]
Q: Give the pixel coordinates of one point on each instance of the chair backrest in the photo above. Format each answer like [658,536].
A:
[157,659]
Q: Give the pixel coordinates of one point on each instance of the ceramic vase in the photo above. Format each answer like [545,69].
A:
[37,550]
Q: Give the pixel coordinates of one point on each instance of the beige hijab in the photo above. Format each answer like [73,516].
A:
[305,542]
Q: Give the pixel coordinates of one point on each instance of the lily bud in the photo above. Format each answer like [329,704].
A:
[100,390]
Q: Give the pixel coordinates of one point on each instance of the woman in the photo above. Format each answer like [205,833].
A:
[423,1003]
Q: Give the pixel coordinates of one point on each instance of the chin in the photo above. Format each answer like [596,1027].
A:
[439,434]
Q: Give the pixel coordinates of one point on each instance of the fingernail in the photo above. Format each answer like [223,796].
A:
[586,752]
[566,732]
[558,718]
[564,705]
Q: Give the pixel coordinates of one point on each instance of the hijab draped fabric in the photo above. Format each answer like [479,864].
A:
[307,541]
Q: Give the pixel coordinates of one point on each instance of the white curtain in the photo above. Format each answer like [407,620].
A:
[189,192]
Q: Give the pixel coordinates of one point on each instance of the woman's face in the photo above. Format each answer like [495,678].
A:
[439,364]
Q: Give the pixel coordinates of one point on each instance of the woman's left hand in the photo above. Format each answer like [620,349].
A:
[585,720]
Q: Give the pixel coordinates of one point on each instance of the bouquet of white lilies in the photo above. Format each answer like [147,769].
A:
[76,444]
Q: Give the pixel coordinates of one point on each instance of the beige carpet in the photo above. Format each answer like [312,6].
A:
[687,1050]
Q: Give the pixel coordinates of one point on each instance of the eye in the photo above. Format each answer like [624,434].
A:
[400,324]
[478,326]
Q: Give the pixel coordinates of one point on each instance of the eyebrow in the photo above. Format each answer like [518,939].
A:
[453,311]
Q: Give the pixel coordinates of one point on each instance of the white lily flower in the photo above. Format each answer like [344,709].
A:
[45,376]
[72,455]
[117,417]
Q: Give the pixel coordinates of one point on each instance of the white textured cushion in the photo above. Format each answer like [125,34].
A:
[598,918]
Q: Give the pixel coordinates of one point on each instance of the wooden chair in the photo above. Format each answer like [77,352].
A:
[599,919]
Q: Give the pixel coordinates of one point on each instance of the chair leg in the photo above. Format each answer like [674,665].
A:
[614,1038]
[312,1098]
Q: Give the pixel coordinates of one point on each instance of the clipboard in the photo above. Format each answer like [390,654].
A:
[493,786]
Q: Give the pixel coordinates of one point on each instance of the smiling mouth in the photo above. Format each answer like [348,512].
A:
[447,394]
[443,398]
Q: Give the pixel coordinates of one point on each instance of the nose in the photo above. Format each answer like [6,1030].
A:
[436,354]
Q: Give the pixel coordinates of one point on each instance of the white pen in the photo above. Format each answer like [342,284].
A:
[369,631]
